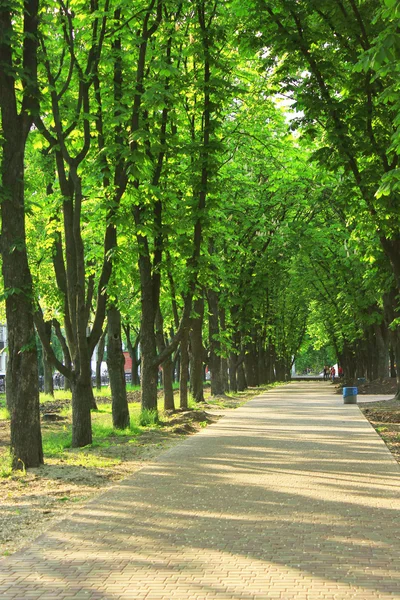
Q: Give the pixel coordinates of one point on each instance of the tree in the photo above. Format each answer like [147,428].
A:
[19,103]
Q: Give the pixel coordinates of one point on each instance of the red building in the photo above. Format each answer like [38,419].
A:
[128,363]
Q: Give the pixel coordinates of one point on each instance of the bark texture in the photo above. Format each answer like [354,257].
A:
[22,368]
[116,363]
[197,351]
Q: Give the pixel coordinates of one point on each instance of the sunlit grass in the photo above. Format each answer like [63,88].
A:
[57,444]
[4,413]
[148,418]
[54,443]
[6,464]
[58,395]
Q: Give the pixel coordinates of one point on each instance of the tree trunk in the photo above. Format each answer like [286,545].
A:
[48,384]
[224,360]
[262,363]
[148,345]
[116,362]
[184,377]
[135,379]
[251,364]
[233,372]
[217,384]
[99,359]
[82,398]
[382,355]
[133,353]
[224,374]
[271,357]
[177,366]
[167,367]
[67,384]
[167,381]
[396,349]
[241,378]
[197,351]
[149,380]
[392,362]
[22,391]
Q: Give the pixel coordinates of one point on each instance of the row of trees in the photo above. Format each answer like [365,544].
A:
[150,180]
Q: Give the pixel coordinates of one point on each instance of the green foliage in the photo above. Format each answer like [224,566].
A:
[315,359]
[300,227]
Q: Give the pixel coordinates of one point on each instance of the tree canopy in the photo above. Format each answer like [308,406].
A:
[217,180]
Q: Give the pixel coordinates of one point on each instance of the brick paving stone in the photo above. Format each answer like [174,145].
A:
[291,497]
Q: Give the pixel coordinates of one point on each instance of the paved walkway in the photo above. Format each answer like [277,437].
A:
[293,496]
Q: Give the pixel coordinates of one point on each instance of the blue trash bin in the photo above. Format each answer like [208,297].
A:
[350,395]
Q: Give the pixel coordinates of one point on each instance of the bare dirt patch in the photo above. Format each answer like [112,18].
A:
[387,386]
[384,416]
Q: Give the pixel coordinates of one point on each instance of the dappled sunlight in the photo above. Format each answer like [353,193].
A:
[240,509]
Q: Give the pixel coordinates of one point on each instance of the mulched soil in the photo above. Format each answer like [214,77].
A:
[387,386]
[378,387]
[384,416]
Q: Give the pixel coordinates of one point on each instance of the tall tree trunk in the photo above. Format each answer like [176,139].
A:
[22,391]
[67,383]
[392,362]
[224,374]
[251,364]
[224,360]
[217,385]
[177,366]
[116,363]
[135,379]
[233,372]
[48,385]
[166,365]
[262,363]
[271,358]
[99,358]
[82,399]
[382,346]
[184,377]
[241,378]
[197,351]
[133,353]
[397,356]
[148,342]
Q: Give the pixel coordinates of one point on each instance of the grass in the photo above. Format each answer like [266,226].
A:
[6,465]
[57,443]
[4,413]
[54,443]
[58,395]
[57,438]
[148,418]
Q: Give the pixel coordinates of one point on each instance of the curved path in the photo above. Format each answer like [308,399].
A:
[293,496]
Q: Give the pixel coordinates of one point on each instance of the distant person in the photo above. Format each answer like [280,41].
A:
[333,373]
[326,372]
[340,372]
